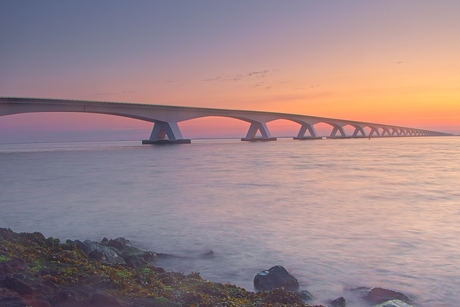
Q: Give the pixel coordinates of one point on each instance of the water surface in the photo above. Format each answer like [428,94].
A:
[337,214]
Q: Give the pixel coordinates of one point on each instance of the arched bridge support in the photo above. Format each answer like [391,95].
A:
[340,130]
[262,128]
[358,130]
[161,130]
[303,129]
[373,131]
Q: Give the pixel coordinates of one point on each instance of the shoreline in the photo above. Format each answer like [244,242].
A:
[45,272]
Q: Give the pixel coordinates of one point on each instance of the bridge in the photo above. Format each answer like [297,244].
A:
[165,119]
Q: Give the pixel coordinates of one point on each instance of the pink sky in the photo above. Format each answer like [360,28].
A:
[388,62]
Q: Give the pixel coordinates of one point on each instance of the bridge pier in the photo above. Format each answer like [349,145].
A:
[338,129]
[375,131]
[358,130]
[161,130]
[258,126]
[304,128]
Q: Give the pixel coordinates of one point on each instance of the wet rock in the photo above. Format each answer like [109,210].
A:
[305,295]
[21,287]
[380,295]
[102,300]
[338,302]
[102,253]
[393,303]
[36,237]
[119,243]
[136,262]
[52,242]
[281,296]
[158,302]
[208,254]
[6,233]
[275,277]
[38,303]
[14,265]
[76,244]
[12,301]
[137,258]
[62,297]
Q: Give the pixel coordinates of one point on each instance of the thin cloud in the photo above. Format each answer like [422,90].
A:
[243,76]
[114,93]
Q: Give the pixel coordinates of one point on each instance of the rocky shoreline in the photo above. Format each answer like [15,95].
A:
[44,272]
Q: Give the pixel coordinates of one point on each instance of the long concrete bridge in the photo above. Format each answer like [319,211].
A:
[166,119]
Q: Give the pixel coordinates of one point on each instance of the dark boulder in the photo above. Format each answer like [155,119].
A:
[38,303]
[380,295]
[12,301]
[21,287]
[119,243]
[137,258]
[275,277]
[102,253]
[338,302]
[75,244]
[208,254]
[102,300]
[305,295]
[12,266]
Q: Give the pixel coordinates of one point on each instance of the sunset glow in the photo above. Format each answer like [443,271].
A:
[387,62]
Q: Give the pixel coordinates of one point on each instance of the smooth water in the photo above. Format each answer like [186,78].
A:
[337,214]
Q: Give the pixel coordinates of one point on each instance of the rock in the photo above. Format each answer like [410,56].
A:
[102,300]
[305,295]
[281,296]
[338,302]
[208,254]
[52,242]
[6,233]
[158,302]
[137,258]
[380,295]
[136,262]
[393,303]
[12,301]
[15,265]
[77,244]
[21,287]
[119,243]
[275,277]
[104,253]
[61,298]
[38,303]
[36,237]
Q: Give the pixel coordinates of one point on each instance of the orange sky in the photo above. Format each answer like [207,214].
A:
[388,62]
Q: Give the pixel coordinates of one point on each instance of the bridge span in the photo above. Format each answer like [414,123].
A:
[165,119]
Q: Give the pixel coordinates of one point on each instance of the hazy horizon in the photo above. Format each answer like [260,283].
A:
[385,62]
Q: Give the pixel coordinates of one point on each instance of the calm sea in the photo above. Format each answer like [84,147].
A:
[337,214]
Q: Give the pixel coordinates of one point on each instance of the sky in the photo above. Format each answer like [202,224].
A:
[391,62]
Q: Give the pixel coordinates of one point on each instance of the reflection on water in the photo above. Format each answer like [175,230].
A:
[336,213]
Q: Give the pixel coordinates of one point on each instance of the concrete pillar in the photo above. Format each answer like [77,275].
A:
[303,129]
[338,129]
[161,130]
[374,131]
[258,126]
[385,131]
[358,130]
